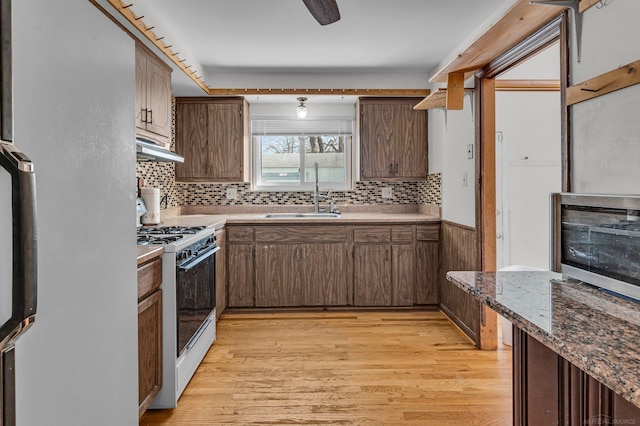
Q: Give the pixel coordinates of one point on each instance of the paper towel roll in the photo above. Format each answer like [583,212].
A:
[151,197]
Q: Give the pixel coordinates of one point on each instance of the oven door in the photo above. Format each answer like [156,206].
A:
[196,297]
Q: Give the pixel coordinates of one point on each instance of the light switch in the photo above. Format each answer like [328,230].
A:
[464,179]
[470,151]
[387,192]
[232,193]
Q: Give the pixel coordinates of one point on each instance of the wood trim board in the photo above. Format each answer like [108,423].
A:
[620,78]
[518,23]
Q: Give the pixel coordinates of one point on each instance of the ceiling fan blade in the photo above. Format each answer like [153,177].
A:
[325,11]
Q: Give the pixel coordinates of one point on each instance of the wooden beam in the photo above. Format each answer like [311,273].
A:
[455,91]
[586,4]
[528,85]
[487,202]
[518,23]
[625,76]
[303,91]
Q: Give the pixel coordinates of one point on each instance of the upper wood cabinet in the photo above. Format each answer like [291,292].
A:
[212,134]
[153,97]
[393,139]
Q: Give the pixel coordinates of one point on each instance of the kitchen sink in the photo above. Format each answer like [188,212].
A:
[301,215]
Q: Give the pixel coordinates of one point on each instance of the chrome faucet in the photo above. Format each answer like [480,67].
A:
[317,197]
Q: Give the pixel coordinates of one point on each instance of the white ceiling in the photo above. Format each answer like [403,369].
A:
[391,44]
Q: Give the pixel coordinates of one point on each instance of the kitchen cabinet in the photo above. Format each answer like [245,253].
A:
[221,272]
[153,97]
[384,266]
[213,137]
[548,389]
[240,266]
[393,139]
[149,332]
[291,271]
[427,264]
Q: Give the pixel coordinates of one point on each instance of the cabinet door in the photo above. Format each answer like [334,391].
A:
[404,274]
[325,274]
[372,275]
[226,141]
[427,266]
[192,142]
[241,291]
[158,99]
[141,89]
[278,275]
[221,273]
[149,349]
[376,136]
[410,155]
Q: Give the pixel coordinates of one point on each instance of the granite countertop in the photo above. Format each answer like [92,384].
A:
[147,253]
[594,330]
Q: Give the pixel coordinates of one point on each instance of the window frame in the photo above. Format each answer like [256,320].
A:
[301,186]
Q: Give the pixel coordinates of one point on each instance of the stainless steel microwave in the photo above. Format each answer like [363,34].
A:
[596,239]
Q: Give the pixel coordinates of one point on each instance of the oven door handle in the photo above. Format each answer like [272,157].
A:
[190,264]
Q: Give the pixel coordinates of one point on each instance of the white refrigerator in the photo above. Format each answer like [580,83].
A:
[73,115]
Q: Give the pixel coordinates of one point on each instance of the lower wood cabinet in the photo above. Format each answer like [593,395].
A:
[306,265]
[549,390]
[290,271]
[149,333]
[221,272]
[384,266]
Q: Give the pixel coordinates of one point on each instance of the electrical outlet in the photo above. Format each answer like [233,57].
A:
[470,151]
[232,193]
[387,192]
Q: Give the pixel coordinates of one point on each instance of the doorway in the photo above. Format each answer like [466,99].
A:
[528,158]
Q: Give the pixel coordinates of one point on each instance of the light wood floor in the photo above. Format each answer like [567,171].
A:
[394,368]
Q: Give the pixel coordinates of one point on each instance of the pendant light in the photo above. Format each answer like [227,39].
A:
[301,110]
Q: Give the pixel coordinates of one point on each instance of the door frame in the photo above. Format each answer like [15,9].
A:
[556,30]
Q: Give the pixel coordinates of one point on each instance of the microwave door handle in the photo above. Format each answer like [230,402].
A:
[24,287]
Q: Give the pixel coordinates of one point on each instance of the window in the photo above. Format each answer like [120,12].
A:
[286,150]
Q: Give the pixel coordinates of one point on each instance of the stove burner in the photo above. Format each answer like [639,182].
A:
[170,230]
[148,240]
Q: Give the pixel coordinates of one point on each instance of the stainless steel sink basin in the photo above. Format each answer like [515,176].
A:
[301,215]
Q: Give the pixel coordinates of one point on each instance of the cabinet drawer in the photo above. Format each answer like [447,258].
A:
[402,234]
[240,234]
[372,234]
[428,233]
[301,234]
[149,278]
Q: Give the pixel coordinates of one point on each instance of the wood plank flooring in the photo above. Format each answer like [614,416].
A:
[363,368]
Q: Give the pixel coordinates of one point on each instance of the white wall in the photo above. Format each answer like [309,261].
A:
[74,103]
[449,134]
[606,130]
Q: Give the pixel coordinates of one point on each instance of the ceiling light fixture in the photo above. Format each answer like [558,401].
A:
[301,110]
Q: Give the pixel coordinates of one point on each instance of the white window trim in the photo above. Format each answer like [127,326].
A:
[304,186]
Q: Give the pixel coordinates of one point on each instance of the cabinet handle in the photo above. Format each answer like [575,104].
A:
[396,172]
[390,168]
[150,116]
[144,115]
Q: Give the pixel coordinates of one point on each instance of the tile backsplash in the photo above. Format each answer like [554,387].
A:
[162,175]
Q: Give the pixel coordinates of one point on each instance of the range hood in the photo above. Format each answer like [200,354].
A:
[146,150]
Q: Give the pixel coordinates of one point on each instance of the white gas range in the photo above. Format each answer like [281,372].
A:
[188,306]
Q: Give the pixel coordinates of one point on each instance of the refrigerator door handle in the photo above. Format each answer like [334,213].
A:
[25,270]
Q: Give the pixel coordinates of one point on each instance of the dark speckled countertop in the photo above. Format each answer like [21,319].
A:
[596,331]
